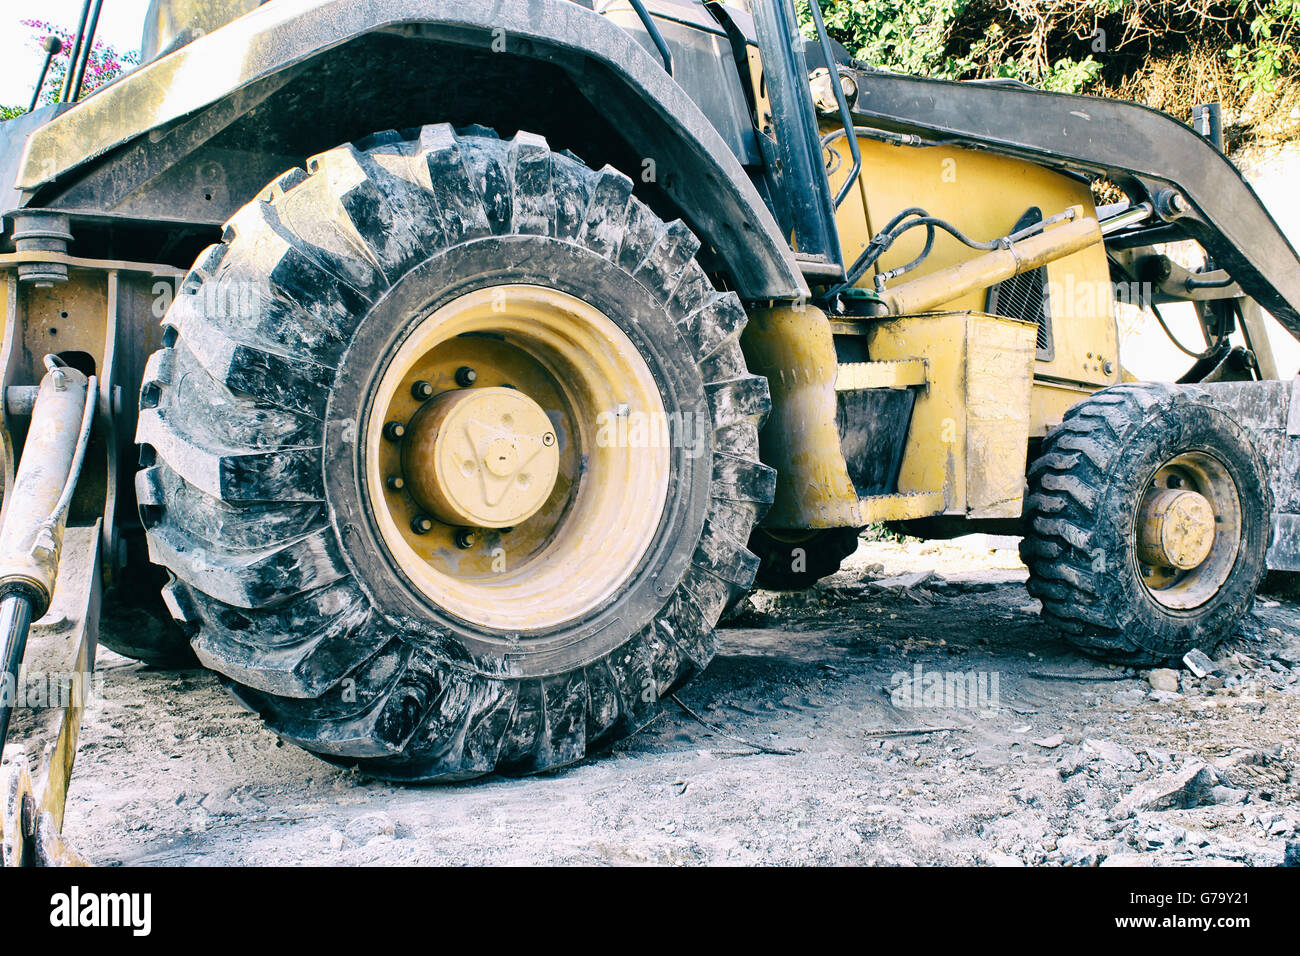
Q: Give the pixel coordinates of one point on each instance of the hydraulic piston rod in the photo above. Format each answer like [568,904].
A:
[37,512]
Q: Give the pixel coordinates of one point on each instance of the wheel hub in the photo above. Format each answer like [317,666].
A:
[1177,528]
[1187,530]
[484,457]
[494,477]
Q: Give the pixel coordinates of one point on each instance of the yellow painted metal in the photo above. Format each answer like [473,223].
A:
[900,374]
[1049,401]
[793,347]
[970,426]
[17,801]
[64,642]
[481,457]
[96,312]
[10,259]
[985,195]
[1255,327]
[988,269]
[1187,530]
[1175,528]
[612,470]
[899,507]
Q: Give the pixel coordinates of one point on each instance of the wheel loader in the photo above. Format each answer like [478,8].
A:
[448,369]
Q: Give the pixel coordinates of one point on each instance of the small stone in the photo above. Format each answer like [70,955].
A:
[1129,697]
[337,840]
[1163,678]
[1198,662]
[904,582]
[1076,851]
[1113,753]
[369,826]
[1071,761]
[1050,743]
[1228,796]
[1288,655]
[1186,787]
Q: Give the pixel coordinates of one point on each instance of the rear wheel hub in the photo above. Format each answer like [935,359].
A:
[1188,530]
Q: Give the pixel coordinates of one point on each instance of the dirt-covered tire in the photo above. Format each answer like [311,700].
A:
[255,488]
[797,560]
[1085,531]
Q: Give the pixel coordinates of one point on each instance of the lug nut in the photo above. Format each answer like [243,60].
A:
[548,439]
[466,376]
[464,538]
[421,524]
[395,483]
[421,391]
[394,431]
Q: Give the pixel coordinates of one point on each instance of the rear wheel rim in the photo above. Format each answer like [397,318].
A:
[601,464]
[1188,530]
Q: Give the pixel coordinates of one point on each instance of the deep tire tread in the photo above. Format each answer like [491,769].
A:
[235,508]
[1067,527]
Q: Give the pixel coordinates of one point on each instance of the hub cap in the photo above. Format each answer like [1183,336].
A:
[494,465]
[481,457]
[1188,530]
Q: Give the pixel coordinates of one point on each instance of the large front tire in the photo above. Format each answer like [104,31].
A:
[270,457]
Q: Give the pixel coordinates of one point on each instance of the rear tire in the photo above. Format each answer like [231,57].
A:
[1082,524]
[254,424]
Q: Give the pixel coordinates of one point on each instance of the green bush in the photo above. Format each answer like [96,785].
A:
[1064,45]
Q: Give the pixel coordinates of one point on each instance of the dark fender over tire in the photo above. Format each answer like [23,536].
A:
[249,425]
[1081,515]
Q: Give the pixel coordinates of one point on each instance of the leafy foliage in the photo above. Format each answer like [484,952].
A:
[104,65]
[1065,45]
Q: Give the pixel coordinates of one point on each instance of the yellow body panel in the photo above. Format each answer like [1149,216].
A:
[970,426]
[794,348]
[984,196]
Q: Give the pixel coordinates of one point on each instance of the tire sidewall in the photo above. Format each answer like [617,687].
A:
[443,277]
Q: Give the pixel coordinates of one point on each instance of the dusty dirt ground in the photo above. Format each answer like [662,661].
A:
[173,771]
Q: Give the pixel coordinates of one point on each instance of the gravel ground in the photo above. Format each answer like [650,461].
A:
[807,751]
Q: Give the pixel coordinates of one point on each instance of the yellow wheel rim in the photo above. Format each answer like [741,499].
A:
[500,471]
[1188,530]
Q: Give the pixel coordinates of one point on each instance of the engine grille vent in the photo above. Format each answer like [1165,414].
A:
[1025,296]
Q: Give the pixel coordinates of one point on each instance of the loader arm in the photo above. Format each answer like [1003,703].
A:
[1142,149]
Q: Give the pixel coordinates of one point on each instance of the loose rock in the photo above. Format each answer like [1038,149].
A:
[1186,787]
[1163,678]
[370,826]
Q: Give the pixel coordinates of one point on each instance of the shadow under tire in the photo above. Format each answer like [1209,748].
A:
[256,487]
[1088,535]
[798,560]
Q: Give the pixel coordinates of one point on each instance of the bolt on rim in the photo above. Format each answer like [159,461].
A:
[1187,532]
[502,499]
